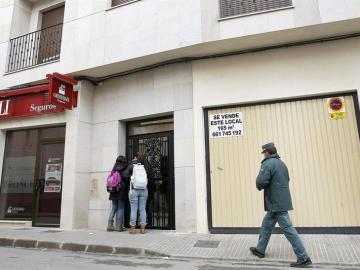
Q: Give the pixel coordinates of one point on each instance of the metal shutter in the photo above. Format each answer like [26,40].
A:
[120,2]
[323,157]
[238,7]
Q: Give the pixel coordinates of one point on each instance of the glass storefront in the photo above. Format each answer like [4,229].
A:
[31,180]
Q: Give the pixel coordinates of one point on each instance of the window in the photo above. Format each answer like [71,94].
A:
[229,8]
[32,175]
[39,47]
[121,2]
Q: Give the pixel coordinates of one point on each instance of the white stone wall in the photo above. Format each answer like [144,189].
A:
[304,13]
[303,71]
[162,91]
[98,39]
[77,162]
[21,18]
[333,10]
[95,35]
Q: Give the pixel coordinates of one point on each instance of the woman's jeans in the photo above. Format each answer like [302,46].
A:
[118,207]
[287,228]
[138,198]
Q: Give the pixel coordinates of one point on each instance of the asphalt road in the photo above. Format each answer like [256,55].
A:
[29,259]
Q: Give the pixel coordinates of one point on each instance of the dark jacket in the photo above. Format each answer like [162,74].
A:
[274,179]
[124,170]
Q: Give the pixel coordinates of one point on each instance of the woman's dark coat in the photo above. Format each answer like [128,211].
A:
[125,171]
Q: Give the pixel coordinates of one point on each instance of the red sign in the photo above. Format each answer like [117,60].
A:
[336,104]
[27,103]
[61,90]
[37,100]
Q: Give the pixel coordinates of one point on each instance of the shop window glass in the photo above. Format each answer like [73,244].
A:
[18,174]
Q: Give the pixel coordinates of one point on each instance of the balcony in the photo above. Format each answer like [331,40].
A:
[36,48]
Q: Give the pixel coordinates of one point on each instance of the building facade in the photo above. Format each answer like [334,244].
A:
[198,86]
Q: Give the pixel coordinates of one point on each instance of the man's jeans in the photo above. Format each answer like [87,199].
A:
[138,198]
[287,228]
[118,206]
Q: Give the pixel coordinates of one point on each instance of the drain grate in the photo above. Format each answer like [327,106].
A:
[207,244]
[51,231]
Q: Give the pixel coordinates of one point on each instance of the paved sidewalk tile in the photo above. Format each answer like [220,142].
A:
[322,248]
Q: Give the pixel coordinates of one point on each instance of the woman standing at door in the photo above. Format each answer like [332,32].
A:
[138,193]
[118,198]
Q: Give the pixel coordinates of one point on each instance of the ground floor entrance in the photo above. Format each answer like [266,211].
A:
[32,176]
[318,139]
[156,140]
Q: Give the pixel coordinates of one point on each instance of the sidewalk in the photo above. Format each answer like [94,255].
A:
[323,249]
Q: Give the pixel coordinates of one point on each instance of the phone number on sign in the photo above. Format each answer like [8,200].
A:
[226,133]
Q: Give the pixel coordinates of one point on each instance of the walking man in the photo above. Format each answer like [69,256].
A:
[273,178]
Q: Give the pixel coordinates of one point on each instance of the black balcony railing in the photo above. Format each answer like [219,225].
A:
[35,48]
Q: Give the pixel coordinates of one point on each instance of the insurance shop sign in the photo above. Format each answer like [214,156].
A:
[61,90]
[53,97]
[226,125]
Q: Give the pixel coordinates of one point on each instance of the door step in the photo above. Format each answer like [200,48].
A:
[15,223]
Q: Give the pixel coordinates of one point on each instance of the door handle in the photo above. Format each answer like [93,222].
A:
[40,185]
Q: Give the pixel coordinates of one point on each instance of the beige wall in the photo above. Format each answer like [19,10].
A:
[290,72]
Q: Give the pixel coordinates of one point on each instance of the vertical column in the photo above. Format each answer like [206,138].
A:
[2,149]
[77,161]
[122,139]
[185,196]
[200,172]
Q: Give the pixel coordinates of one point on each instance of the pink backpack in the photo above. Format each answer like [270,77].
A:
[113,182]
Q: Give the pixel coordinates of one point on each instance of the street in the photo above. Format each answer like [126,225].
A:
[17,258]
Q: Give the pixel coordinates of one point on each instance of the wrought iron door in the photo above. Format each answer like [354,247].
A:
[158,149]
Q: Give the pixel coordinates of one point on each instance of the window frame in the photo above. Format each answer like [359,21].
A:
[110,4]
[252,13]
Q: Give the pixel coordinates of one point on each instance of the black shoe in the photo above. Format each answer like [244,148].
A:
[301,263]
[257,253]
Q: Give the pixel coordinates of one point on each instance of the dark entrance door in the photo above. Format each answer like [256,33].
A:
[31,181]
[48,184]
[159,152]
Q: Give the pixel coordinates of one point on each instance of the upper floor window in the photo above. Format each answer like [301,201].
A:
[229,8]
[121,2]
[39,47]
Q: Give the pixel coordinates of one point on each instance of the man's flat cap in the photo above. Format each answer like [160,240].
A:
[267,147]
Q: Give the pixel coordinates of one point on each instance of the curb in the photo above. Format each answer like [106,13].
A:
[48,245]
[117,250]
[5,242]
[24,243]
[76,247]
